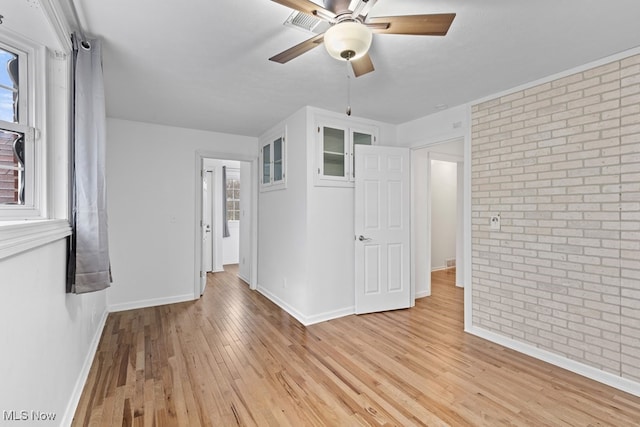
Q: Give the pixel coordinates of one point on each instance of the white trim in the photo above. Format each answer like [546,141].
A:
[74,399]
[58,22]
[150,303]
[329,315]
[422,294]
[305,320]
[559,361]
[21,236]
[584,67]
[467,241]
[283,305]
[243,278]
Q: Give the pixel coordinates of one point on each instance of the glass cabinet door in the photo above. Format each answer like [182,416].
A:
[333,152]
[358,138]
[266,164]
[277,160]
[273,161]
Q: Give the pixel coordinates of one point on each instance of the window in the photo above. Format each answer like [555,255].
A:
[273,161]
[34,90]
[233,195]
[16,137]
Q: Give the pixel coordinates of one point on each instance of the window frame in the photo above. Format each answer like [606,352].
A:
[233,174]
[29,120]
[48,71]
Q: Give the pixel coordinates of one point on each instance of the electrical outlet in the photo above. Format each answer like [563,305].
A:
[284,283]
[495,222]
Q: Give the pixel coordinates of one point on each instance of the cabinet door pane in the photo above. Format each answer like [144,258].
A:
[359,139]
[333,151]
[266,164]
[277,159]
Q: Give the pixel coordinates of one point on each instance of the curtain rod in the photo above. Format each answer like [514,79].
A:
[84,41]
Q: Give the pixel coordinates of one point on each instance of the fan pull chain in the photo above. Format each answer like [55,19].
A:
[348,89]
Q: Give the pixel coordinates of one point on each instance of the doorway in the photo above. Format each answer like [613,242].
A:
[223,207]
[437,170]
[226,217]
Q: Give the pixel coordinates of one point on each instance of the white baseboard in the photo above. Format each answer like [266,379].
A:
[423,294]
[329,315]
[244,279]
[84,373]
[283,305]
[590,372]
[306,320]
[150,303]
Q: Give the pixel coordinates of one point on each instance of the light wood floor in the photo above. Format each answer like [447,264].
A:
[234,358]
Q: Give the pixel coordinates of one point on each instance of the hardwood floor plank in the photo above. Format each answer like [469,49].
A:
[233,358]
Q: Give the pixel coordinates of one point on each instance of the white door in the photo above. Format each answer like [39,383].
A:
[207,220]
[382,217]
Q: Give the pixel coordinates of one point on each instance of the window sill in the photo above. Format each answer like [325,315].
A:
[20,236]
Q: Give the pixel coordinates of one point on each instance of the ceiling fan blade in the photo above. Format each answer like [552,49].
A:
[417,25]
[308,7]
[298,49]
[362,65]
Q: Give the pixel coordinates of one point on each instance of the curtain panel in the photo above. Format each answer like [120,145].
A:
[89,267]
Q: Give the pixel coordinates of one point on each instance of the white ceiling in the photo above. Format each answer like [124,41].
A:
[203,64]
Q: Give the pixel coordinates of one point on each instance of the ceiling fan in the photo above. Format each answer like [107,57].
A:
[350,34]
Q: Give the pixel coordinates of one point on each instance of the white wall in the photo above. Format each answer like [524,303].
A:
[444,217]
[444,125]
[150,176]
[48,337]
[282,239]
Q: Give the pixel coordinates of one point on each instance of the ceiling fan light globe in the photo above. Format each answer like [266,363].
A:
[348,40]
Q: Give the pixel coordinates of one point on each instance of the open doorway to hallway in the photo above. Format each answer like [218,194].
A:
[225,221]
[437,214]
[221,213]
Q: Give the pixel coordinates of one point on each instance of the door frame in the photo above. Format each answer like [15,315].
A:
[465,268]
[208,175]
[200,155]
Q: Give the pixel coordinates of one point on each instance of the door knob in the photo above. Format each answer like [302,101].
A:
[363,239]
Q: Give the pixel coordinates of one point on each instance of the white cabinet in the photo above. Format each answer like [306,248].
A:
[336,147]
[272,161]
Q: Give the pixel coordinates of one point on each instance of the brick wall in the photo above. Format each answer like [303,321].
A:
[560,163]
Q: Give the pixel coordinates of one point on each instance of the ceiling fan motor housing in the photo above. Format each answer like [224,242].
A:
[337,6]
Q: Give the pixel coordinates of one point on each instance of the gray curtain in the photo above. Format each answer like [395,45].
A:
[89,267]
[225,223]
